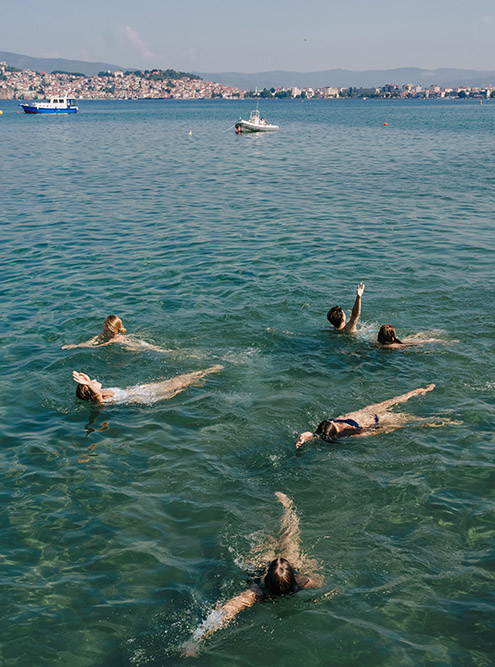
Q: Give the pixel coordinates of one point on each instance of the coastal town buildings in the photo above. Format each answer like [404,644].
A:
[156,84]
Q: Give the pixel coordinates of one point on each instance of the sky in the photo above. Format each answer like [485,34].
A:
[255,35]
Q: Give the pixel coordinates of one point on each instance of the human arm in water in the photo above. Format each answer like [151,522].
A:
[127,341]
[290,536]
[366,416]
[92,342]
[356,310]
[290,545]
[221,616]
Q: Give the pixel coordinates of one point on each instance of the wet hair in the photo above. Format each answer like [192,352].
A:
[115,325]
[386,335]
[326,430]
[335,316]
[87,393]
[280,578]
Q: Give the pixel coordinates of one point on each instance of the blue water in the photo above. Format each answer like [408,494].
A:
[121,529]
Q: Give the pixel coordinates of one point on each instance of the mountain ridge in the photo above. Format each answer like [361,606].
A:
[338,78]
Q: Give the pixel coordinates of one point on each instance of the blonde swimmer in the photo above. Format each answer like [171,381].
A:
[114,332]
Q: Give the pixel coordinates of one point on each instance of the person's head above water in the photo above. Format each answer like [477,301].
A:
[328,430]
[113,326]
[87,393]
[336,317]
[87,389]
[386,335]
[280,578]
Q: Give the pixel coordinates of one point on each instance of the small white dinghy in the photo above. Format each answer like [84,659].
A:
[255,124]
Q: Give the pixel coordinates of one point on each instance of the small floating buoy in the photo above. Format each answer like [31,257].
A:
[1,112]
[385,123]
[190,132]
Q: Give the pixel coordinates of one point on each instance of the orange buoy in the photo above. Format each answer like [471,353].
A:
[385,123]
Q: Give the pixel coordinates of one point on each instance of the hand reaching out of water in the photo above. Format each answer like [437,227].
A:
[81,378]
[360,289]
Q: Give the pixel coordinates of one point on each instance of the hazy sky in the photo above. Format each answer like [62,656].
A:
[255,35]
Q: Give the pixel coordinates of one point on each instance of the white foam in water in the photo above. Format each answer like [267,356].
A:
[212,622]
[241,356]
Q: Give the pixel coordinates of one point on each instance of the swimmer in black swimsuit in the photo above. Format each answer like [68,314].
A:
[368,421]
[281,578]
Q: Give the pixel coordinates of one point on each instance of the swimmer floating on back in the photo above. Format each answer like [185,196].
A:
[371,420]
[114,332]
[92,390]
[336,315]
[281,577]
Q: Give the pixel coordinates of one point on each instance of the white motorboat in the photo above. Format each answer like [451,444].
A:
[59,104]
[255,124]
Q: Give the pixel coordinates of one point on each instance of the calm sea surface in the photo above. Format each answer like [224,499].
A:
[121,529]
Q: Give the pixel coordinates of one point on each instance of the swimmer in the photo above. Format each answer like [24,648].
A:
[282,577]
[114,332]
[371,420]
[387,337]
[92,390]
[336,315]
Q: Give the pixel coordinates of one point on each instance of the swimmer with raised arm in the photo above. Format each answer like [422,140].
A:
[114,332]
[92,390]
[371,420]
[282,577]
[336,315]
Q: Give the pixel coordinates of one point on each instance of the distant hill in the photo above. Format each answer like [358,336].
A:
[51,64]
[447,77]
[340,78]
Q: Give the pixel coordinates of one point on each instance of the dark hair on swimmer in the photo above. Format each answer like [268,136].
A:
[85,393]
[326,430]
[280,578]
[386,335]
[335,316]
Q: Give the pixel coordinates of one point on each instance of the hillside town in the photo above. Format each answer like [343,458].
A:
[168,84]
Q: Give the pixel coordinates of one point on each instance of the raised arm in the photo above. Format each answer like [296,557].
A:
[380,408]
[290,536]
[290,546]
[403,398]
[217,619]
[356,310]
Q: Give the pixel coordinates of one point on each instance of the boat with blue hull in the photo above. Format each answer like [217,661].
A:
[52,105]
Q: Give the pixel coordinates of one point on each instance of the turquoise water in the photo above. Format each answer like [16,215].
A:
[121,529]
